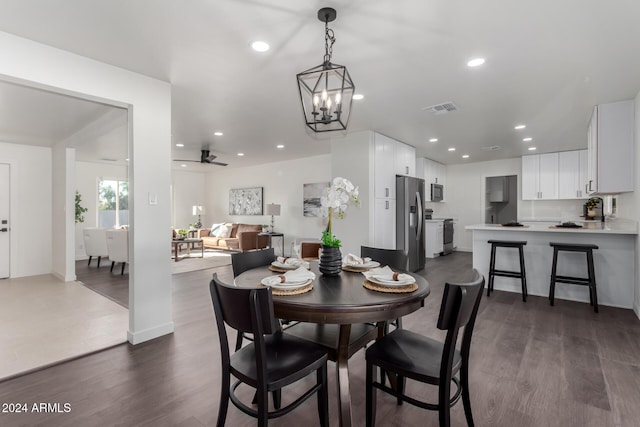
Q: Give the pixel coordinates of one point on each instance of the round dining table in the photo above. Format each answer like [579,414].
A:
[341,300]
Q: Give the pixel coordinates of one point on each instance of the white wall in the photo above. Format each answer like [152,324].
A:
[30,208]
[629,205]
[188,191]
[88,174]
[282,184]
[63,229]
[148,102]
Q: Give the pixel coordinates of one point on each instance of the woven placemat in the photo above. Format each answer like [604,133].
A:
[390,290]
[287,292]
[354,270]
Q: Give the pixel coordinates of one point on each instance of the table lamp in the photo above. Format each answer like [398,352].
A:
[273,210]
[198,210]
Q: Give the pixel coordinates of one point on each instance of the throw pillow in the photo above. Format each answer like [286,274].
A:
[224,231]
[214,229]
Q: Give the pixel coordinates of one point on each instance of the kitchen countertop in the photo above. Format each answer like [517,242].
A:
[617,226]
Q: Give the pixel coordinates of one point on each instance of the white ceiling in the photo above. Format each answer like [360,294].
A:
[548,63]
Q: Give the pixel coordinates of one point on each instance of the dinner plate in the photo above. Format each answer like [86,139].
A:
[370,264]
[287,285]
[391,283]
[284,266]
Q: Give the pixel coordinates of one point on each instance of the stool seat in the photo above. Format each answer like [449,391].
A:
[589,281]
[522,275]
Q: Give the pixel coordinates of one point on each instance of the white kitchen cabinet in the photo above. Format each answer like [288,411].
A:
[405,159]
[610,139]
[434,238]
[384,222]
[572,174]
[432,173]
[384,170]
[540,177]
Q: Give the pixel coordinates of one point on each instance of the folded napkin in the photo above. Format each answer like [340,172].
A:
[386,274]
[295,262]
[351,259]
[297,276]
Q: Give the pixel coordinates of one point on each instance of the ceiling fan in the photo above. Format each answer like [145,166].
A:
[205,158]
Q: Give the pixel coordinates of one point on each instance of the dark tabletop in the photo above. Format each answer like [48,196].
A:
[339,299]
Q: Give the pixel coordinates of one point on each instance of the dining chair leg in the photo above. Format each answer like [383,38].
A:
[263,408]
[400,388]
[122,271]
[466,400]
[371,396]
[99,258]
[323,396]
[89,263]
[277,398]
[444,409]
[112,264]
[224,401]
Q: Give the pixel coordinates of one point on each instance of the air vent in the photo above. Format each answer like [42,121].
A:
[492,148]
[104,159]
[444,108]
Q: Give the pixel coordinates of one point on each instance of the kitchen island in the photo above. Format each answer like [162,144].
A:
[614,260]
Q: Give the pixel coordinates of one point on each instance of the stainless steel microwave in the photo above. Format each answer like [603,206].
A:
[437,192]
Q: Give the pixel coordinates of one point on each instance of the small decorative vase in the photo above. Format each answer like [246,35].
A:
[330,261]
[591,213]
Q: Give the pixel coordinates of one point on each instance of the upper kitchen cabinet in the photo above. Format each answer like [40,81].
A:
[405,159]
[572,174]
[384,171]
[432,173]
[540,177]
[610,139]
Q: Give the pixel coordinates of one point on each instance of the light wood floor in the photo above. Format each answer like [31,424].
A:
[531,364]
[44,320]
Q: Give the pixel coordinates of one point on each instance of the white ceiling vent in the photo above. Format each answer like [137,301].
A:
[492,148]
[444,108]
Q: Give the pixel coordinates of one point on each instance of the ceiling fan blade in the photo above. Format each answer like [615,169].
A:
[194,161]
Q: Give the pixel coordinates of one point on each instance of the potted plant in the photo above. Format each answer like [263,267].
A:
[80,210]
[182,234]
[592,203]
[335,201]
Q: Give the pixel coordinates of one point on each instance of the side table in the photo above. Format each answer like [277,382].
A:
[271,236]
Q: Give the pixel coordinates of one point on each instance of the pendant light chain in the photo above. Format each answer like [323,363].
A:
[328,37]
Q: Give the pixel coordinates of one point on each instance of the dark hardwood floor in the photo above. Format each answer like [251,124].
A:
[112,285]
[531,364]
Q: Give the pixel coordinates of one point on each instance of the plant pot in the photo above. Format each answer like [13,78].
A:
[591,213]
[330,261]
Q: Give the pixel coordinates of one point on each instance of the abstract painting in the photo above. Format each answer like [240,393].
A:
[311,197]
[245,201]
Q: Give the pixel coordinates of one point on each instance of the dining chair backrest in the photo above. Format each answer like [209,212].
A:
[243,261]
[118,245]
[310,250]
[95,241]
[394,258]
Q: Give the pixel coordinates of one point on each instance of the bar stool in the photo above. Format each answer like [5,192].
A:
[522,275]
[590,281]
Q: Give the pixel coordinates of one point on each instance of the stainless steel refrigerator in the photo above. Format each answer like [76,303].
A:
[410,220]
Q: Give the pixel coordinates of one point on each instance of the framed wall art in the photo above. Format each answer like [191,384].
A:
[245,201]
[311,198]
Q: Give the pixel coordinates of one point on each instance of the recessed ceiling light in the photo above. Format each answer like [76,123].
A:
[179,145]
[465,156]
[531,148]
[433,140]
[240,154]
[126,160]
[452,149]
[475,62]
[358,96]
[218,133]
[184,166]
[280,146]
[527,139]
[260,46]
[519,127]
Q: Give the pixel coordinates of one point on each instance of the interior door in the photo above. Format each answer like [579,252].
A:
[4,221]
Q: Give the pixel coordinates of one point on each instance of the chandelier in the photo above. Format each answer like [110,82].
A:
[326,91]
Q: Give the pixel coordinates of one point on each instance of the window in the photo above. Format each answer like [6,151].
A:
[113,203]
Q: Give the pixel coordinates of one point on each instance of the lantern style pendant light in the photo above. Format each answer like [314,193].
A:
[326,91]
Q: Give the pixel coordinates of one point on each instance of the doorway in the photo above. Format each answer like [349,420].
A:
[501,199]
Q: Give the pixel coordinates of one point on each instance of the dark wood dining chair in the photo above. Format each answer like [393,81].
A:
[310,250]
[243,261]
[410,355]
[272,361]
[396,259]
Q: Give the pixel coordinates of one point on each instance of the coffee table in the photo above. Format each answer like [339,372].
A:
[190,242]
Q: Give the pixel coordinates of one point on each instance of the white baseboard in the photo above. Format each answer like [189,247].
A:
[149,334]
[68,278]
[636,310]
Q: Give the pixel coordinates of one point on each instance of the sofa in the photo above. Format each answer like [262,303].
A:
[242,238]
